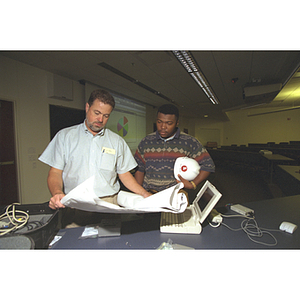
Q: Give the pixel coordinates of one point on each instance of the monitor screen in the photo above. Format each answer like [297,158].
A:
[205,201]
[205,198]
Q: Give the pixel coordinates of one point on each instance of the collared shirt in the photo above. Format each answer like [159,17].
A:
[167,139]
[156,157]
[81,155]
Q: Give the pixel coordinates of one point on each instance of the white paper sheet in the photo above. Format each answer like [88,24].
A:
[83,197]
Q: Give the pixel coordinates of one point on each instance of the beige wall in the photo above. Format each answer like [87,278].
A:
[26,87]
[272,127]
[266,127]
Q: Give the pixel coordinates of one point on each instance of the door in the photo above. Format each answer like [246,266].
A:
[8,167]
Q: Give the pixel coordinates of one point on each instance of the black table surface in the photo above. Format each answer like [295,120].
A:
[143,232]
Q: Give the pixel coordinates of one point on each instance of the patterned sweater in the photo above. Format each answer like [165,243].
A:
[156,157]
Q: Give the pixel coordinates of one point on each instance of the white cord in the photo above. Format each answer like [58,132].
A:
[247,227]
[215,226]
[227,216]
[17,221]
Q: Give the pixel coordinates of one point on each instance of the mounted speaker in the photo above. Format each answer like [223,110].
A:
[59,87]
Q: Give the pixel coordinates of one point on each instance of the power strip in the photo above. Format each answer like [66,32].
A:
[243,210]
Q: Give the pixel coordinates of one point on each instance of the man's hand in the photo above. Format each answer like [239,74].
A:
[130,182]
[187,184]
[146,194]
[55,201]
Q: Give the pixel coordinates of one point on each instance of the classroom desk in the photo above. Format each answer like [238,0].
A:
[279,159]
[288,179]
[294,171]
[144,233]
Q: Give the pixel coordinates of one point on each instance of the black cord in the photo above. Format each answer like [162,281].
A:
[30,225]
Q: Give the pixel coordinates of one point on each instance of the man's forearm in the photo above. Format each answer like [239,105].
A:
[130,182]
[202,176]
[139,177]
[55,182]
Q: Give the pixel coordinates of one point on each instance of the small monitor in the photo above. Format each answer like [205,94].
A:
[206,200]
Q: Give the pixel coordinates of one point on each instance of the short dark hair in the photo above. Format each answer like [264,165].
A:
[102,96]
[169,109]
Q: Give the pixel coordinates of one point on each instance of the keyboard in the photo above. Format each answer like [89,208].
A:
[179,223]
[171,219]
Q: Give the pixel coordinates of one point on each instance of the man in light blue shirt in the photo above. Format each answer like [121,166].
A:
[76,153]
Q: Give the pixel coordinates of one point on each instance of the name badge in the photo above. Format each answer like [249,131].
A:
[108,150]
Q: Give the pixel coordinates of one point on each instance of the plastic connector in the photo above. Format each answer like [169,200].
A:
[216,217]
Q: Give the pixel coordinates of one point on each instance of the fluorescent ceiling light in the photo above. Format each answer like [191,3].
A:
[188,62]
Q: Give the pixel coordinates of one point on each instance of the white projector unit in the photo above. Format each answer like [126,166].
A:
[261,89]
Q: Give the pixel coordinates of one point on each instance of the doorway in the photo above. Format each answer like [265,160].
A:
[8,163]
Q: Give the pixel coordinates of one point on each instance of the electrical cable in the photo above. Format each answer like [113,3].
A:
[15,221]
[246,226]
[215,226]
[34,224]
[251,228]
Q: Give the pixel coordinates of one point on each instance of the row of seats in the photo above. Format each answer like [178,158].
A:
[291,149]
[252,161]
[248,159]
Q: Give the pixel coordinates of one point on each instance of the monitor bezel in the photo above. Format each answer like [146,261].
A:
[202,215]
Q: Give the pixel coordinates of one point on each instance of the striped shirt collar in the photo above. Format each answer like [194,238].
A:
[174,136]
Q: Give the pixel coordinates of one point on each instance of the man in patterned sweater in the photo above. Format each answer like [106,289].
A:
[157,152]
